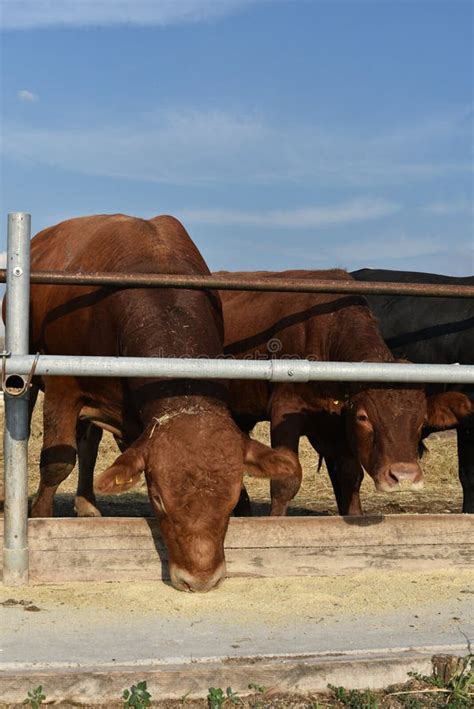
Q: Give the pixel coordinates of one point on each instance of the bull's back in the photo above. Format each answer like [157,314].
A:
[87,320]
[273,324]
[254,320]
[117,243]
[421,329]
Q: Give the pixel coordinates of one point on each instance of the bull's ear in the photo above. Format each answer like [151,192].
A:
[124,474]
[261,461]
[447,409]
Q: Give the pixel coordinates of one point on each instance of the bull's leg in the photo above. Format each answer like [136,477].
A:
[243,507]
[32,398]
[88,441]
[346,477]
[58,455]
[285,433]
[466,466]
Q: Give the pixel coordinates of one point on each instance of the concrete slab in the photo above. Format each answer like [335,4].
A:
[103,686]
[93,640]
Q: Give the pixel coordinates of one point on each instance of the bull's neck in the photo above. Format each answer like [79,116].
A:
[357,340]
[156,398]
[168,331]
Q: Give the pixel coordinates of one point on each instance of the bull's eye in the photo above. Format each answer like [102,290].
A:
[362,418]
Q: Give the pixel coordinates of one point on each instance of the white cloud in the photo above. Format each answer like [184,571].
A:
[27,96]
[459,262]
[388,247]
[428,128]
[454,207]
[185,147]
[3,259]
[26,14]
[191,146]
[304,218]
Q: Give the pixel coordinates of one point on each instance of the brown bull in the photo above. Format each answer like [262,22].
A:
[372,427]
[179,432]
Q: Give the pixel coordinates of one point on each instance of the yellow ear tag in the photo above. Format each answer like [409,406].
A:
[122,482]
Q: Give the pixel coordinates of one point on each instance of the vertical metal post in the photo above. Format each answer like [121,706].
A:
[15,545]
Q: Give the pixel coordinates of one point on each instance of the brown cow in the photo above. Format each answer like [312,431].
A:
[181,432]
[374,427]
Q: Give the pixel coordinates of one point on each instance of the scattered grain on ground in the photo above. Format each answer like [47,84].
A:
[247,601]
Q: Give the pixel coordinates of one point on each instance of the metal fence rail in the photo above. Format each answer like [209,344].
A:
[17,363]
[227,282]
[275,370]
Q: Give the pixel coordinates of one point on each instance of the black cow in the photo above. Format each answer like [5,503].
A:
[432,331]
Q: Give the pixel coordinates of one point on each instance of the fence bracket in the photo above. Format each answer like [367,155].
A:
[16,385]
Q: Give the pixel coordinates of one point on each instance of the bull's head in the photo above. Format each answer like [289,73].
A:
[194,466]
[384,427]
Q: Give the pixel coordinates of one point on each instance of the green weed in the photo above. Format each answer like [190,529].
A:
[35,698]
[257,688]
[457,689]
[216,697]
[137,697]
[354,698]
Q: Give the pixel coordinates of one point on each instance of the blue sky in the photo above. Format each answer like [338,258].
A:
[302,134]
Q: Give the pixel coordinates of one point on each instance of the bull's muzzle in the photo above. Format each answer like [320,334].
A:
[400,476]
[182,580]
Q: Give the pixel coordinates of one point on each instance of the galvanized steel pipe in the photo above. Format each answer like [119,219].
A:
[276,370]
[15,545]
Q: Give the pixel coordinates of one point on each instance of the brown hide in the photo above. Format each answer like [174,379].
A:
[181,432]
[372,426]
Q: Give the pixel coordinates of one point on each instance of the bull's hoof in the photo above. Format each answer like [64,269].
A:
[279,509]
[40,509]
[84,508]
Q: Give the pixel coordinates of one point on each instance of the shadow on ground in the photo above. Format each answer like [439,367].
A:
[137,505]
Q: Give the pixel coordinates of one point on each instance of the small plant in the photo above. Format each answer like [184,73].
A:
[411,702]
[355,699]
[137,696]
[35,697]
[432,681]
[457,687]
[257,688]
[216,697]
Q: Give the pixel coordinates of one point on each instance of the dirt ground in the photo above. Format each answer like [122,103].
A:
[441,494]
